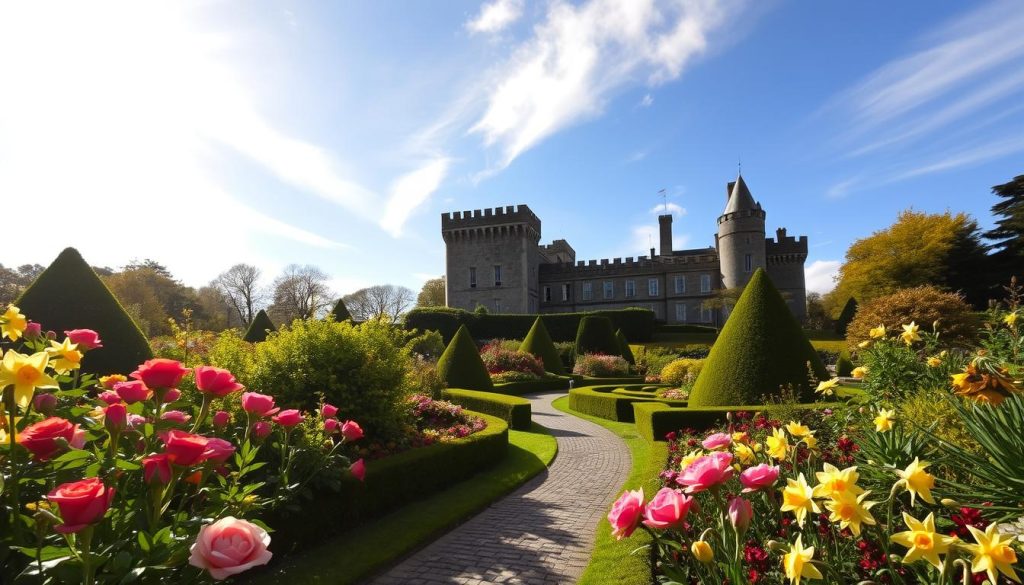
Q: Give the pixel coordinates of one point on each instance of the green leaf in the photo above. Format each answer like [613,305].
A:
[127,465]
[73,455]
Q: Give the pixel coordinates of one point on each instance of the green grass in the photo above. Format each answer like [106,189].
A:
[353,556]
[612,561]
[833,345]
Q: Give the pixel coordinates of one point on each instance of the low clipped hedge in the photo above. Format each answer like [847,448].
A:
[604,402]
[512,409]
[386,486]
[686,329]
[545,384]
[636,324]
[654,420]
[592,381]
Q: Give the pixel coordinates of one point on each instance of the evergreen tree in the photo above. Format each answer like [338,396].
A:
[1008,234]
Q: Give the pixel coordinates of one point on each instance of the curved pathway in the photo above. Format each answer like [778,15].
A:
[543,532]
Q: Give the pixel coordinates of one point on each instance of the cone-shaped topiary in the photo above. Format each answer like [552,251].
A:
[460,365]
[847,314]
[595,335]
[538,342]
[844,365]
[627,354]
[259,327]
[69,295]
[760,349]
[340,312]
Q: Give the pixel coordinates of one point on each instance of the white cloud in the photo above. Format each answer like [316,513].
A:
[647,101]
[636,156]
[580,56]
[820,275]
[673,208]
[411,191]
[496,16]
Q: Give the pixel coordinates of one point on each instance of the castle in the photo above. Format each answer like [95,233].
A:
[494,258]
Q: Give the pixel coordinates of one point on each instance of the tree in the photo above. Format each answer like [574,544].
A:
[240,285]
[218,311]
[14,280]
[432,294]
[301,292]
[382,301]
[151,295]
[1008,235]
[817,317]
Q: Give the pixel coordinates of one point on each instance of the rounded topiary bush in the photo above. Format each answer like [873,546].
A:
[761,349]
[259,328]
[627,354]
[538,343]
[680,371]
[844,365]
[69,295]
[460,365]
[595,335]
[958,324]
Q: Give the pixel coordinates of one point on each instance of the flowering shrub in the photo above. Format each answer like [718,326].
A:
[681,372]
[601,366]
[498,360]
[512,376]
[440,420]
[673,394]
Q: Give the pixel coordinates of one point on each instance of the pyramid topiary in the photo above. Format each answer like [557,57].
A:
[595,335]
[460,365]
[259,327]
[340,312]
[847,314]
[69,295]
[538,342]
[627,354]
[760,349]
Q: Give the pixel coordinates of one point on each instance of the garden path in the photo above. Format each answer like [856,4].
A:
[542,533]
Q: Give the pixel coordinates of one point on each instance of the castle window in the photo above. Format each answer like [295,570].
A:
[547,294]
[748,262]
[472,277]
[497,275]
[630,289]
[652,287]
[609,289]
[680,283]
[588,291]
[681,312]
[705,313]
[565,292]
[705,283]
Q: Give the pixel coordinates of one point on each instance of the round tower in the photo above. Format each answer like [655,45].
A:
[740,239]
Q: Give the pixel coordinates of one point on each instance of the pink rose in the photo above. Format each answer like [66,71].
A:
[706,472]
[44,403]
[331,425]
[157,469]
[626,513]
[171,395]
[740,514]
[81,503]
[230,546]
[221,419]
[216,381]
[358,469]
[115,417]
[135,420]
[260,405]
[132,392]
[667,509]
[42,439]
[261,429]
[184,448]
[110,397]
[33,331]
[351,431]
[85,339]
[289,418]
[161,373]
[218,450]
[175,416]
[759,477]
[329,411]
[717,441]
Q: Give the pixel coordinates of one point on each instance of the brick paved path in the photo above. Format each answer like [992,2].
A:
[543,532]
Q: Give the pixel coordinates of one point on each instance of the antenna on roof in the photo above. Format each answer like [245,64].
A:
[739,165]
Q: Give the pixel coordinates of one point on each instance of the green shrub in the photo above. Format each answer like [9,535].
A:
[636,323]
[68,295]
[958,324]
[538,342]
[761,349]
[512,409]
[258,329]
[231,352]
[460,365]
[846,316]
[681,371]
[362,369]
[601,366]
[567,353]
[544,384]
[596,335]
[497,359]
[627,354]
[340,311]
[650,361]
[844,365]
[611,402]
[428,344]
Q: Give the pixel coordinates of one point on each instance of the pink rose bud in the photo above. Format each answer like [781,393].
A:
[115,417]
[667,509]
[176,417]
[740,514]
[160,373]
[358,469]
[171,395]
[331,425]
[51,335]
[759,477]
[626,513]
[85,339]
[136,420]
[44,403]
[221,419]
[706,472]
[258,404]
[216,381]
[329,411]
[218,450]
[33,331]
[261,429]
[132,392]
[717,441]
[288,418]
[157,469]
[351,431]
[110,397]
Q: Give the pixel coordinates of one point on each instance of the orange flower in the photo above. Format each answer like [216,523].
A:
[982,386]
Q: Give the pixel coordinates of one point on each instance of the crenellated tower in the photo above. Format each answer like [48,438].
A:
[740,239]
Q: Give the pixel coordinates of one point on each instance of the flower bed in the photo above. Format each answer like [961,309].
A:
[512,409]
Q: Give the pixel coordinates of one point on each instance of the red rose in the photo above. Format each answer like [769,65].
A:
[218,450]
[85,339]
[81,503]
[115,417]
[288,418]
[161,373]
[358,469]
[42,438]
[351,431]
[184,448]
[216,381]
[132,392]
[157,468]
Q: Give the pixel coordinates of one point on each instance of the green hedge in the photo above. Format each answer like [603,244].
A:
[654,420]
[545,384]
[685,329]
[460,365]
[512,409]
[603,402]
[636,324]
[387,485]
[591,381]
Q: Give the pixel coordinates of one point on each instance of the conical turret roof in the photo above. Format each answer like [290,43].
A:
[740,198]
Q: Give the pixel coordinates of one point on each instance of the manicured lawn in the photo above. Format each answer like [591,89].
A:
[353,556]
[832,345]
[611,562]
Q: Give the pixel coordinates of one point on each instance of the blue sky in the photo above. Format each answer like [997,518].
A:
[203,134]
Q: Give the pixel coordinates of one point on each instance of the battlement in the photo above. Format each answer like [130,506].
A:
[557,252]
[629,264]
[498,216]
[785,245]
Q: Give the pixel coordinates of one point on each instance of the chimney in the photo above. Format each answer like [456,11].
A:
[652,253]
[665,225]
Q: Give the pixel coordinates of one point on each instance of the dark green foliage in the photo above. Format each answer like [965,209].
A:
[654,420]
[637,324]
[68,295]
[844,365]
[845,316]
[596,335]
[627,354]
[260,326]
[1009,230]
[761,349]
[460,365]
[340,311]
[530,386]
[512,409]
[539,343]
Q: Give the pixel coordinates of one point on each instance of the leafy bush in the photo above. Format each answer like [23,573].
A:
[231,352]
[497,360]
[538,342]
[513,376]
[844,365]
[424,377]
[650,361]
[460,365]
[681,371]
[601,366]
[596,335]
[428,344]
[567,353]
[260,326]
[627,353]
[442,420]
[923,305]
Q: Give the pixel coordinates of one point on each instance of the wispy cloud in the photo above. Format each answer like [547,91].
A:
[496,16]
[963,158]
[673,208]
[411,191]
[819,276]
[646,101]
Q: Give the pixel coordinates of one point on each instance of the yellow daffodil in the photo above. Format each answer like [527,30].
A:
[851,511]
[112,380]
[12,323]
[934,362]
[859,372]
[778,444]
[811,441]
[864,344]
[1011,319]
[883,422]
[918,481]
[923,541]
[690,458]
[25,373]
[796,429]
[834,482]
[984,386]
[909,335]
[64,356]
[798,498]
[702,551]
[797,562]
[877,332]
[993,553]
[827,387]
[741,438]
[744,454]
